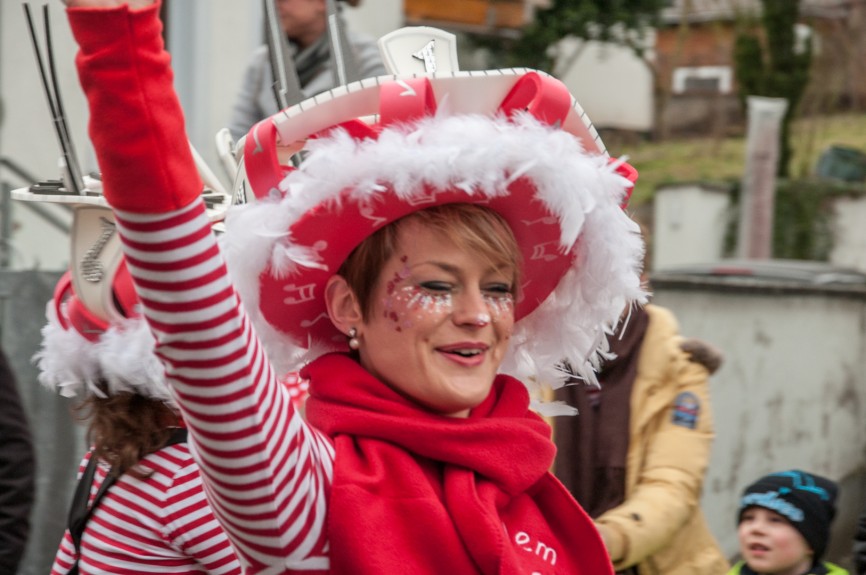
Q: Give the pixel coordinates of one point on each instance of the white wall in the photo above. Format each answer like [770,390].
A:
[37,245]
[613,85]
[690,222]
[376,17]
[27,131]
[791,393]
[849,247]
[210,42]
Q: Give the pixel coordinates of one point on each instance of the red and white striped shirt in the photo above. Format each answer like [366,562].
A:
[161,524]
[267,472]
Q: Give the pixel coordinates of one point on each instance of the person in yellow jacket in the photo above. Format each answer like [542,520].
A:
[636,454]
[784,525]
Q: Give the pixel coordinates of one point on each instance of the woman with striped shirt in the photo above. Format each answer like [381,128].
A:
[403,269]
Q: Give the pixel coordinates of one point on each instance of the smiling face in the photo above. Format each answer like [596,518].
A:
[771,545]
[439,322]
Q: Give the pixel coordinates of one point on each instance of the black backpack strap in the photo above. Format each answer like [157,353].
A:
[177,436]
[80,512]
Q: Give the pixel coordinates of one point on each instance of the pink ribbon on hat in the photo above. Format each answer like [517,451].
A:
[72,313]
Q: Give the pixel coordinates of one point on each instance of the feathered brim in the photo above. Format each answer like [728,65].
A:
[581,252]
[121,359]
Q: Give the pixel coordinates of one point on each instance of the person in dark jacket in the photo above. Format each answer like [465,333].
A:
[859,550]
[17,469]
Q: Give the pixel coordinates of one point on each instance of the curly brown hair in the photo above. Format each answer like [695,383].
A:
[125,427]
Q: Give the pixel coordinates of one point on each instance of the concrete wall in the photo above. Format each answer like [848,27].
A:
[690,220]
[791,393]
[689,224]
[849,246]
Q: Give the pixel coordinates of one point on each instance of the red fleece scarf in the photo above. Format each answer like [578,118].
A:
[415,492]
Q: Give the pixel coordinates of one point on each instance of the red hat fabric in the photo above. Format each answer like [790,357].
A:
[513,141]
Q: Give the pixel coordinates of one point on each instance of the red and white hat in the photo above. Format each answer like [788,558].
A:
[374,151]
[94,341]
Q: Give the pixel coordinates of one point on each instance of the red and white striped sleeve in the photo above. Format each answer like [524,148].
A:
[267,473]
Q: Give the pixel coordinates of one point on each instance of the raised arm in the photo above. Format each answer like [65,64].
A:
[265,471]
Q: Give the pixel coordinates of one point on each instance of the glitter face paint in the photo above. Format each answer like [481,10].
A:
[410,303]
[440,324]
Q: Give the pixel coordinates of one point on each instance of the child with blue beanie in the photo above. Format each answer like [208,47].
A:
[784,525]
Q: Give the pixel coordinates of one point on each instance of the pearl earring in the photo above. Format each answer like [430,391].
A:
[354,344]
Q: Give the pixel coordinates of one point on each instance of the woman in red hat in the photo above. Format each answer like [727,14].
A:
[443,237]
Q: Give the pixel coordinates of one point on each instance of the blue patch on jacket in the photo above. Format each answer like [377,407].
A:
[687,407]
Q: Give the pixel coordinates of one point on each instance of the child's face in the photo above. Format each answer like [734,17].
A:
[770,545]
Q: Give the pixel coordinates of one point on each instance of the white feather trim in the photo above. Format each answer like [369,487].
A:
[67,362]
[552,408]
[123,358]
[128,363]
[481,155]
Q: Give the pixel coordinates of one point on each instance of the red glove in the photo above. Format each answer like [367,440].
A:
[136,122]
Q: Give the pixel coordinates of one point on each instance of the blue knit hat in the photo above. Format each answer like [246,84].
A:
[808,501]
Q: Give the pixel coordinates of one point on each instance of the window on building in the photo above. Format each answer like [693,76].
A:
[703,79]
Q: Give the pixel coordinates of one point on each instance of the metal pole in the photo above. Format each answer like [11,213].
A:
[5,225]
